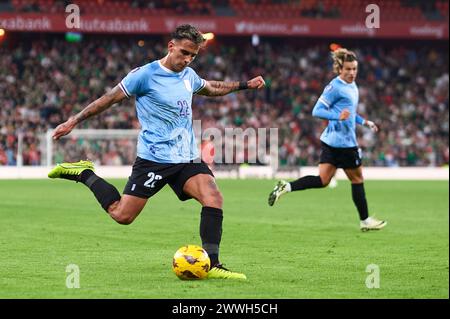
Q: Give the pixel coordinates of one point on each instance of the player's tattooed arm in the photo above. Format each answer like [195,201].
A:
[219,88]
[114,96]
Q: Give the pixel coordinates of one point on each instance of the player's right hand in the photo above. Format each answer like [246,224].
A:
[372,126]
[344,114]
[63,129]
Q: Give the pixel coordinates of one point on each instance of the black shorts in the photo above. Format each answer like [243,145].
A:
[340,157]
[147,177]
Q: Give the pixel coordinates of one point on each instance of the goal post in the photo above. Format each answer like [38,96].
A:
[84,137]
[117,147]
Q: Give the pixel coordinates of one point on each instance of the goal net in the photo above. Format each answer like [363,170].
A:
[103,147]
[236,150]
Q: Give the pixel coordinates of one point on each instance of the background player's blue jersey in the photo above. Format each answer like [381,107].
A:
[339,95]
[164,110]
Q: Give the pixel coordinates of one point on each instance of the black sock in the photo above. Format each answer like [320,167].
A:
[105,193]
[211,232]
[359,198]
[306,182]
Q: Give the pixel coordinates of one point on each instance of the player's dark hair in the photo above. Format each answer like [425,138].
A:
[340,56]
[187,31]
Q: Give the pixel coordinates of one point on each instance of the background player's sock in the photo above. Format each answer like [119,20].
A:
[211,232]
[105,193]
[306,182]
[359,198]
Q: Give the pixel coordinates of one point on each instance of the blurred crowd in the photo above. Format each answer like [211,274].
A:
[403,88]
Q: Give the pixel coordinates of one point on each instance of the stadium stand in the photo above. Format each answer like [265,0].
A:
[403,87]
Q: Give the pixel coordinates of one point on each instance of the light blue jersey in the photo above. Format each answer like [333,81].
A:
[164,110]
[339,95]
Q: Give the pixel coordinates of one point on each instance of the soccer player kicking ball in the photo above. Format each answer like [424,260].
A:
[338,104]
[166,149]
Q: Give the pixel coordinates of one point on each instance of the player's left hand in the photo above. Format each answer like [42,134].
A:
[372,126]
[256,83]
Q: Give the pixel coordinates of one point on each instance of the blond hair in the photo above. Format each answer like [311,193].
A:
[340,56]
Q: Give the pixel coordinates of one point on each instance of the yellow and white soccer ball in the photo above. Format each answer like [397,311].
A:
[191,262]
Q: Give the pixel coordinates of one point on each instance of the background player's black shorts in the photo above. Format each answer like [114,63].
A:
[147,177]
[340,157]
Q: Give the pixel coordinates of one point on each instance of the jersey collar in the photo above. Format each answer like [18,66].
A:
[166,69]
[342,81]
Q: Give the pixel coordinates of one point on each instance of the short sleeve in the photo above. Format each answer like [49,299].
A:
[329,95]
[197,82]
[134,83]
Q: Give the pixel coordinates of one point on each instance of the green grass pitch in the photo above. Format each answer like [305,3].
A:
[307,246]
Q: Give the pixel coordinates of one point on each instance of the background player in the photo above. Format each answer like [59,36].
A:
[338,104]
